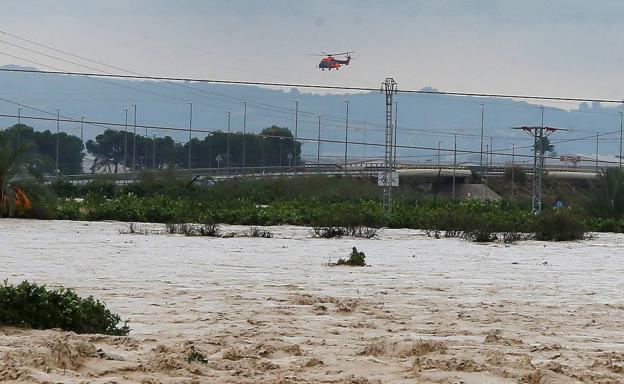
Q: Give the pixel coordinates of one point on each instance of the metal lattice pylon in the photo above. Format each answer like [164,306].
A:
[389,86]
[538,134]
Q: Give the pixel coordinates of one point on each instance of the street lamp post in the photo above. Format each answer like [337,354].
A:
[19,124]
[262,140]
[244,133]
[597,133]
[491,150]
[454,163]
[190,135]
[481,148]
[210,135]
[318,146]
[82,129]
[439,142]
[125,142]
[58,121]
[346,135]
[296,133]
[621,117]
[280,154]
[154,152]
[134,139]
[227,160]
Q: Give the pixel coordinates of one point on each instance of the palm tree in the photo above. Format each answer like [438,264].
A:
[14,166]
[544,145]
[606,198]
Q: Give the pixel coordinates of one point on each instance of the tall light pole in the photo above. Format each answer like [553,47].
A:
[154,152]
[491,150]
[190,135]
[210,136]
[244,132]
[82,129]
[346,135]
[396,118]
[318,145]
[621,117]
[145,149]
[227,160]
[439,142]
[134,139]
[454,163]
[19,124]
[481,149]
[125,142]
[262,140]
[58,122]
[597,151]
[296,133]
[513,165]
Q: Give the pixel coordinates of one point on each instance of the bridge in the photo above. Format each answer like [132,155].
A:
[425,172]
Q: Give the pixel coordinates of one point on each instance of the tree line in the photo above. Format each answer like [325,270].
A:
[116,151]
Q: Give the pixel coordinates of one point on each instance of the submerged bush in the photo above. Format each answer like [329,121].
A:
[35,306]
[259,232]
[208,230]
[356,259]
[560,225]
[353,231]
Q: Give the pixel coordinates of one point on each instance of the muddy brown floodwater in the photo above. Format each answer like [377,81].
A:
[255,310]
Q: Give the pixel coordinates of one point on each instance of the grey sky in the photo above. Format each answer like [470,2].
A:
[555,47]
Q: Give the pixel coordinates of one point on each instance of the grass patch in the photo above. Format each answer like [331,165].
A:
[34,306]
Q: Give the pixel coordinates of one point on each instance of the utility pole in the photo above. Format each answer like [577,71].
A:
[318,146]
[396,127]
[346,136]
[296,133]
[82,129]
[58,119]
[597,151]
[154,152]
[134,139]
[513,165]
[491,150]
[439,142]
[389,86]
[227,160]
[244,132]
[145,149]
[621,117]
[538,133]
[454,163]
[190,135]
[19,124]
[125,142]
[481,149]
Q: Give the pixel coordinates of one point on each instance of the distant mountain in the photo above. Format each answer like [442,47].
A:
[423,120]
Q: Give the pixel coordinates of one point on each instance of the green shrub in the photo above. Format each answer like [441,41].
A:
[32,305]
[479,236]
[64,188]
[356,259]
[559,225]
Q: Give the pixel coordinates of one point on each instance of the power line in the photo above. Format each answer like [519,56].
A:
[447,151]
[315,86]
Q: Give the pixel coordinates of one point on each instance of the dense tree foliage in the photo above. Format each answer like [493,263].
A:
[44,148]
[116,151]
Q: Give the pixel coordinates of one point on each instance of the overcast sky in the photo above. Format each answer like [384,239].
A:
[555,47]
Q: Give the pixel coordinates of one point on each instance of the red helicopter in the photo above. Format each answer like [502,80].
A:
[330,62]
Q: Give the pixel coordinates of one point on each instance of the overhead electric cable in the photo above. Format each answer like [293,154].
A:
[316,86]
